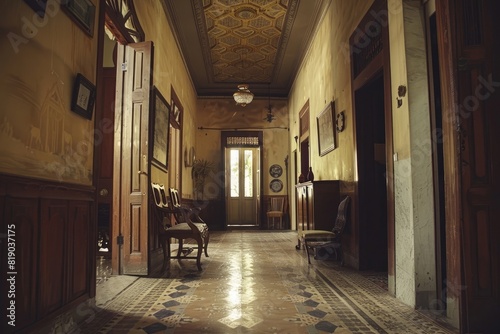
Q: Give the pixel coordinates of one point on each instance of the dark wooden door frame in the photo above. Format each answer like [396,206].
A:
[366,66]
[224,145]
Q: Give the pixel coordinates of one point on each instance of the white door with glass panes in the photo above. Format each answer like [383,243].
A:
[242,182]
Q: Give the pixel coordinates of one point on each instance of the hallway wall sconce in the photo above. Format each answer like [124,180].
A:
[340,121]
[243,95]
[401,94]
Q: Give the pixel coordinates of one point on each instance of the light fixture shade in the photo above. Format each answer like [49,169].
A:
[243,96]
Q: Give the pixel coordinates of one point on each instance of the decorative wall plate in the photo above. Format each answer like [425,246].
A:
[276,185]
[275,170]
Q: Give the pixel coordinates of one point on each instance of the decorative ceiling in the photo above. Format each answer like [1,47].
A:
[256,42]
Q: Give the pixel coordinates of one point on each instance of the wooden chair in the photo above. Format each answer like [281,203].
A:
[189,226]
[275,211]
[183,229]
[329,241]
[161,214]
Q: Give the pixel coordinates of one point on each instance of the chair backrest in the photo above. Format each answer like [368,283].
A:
[181,214]
[159,194]
[276,204]
[174,198]
[342,216]
[160,199]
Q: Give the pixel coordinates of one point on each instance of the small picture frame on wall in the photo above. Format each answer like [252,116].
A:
[326,129]
[38,6]
[83,97]
[160,117]
[82,12]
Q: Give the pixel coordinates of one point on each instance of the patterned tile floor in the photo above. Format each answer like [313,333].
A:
[256,282]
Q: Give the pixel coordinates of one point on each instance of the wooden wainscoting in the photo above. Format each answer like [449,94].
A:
[52,228]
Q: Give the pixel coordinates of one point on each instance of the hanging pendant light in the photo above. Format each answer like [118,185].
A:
[243,96]
[269,117]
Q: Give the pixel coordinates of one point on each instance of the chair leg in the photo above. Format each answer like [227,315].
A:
[179,250]
[163,243]
[200,250]
[167,262]
[207,239]
[307,251]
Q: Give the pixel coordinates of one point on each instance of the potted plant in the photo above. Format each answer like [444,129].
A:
[201,169]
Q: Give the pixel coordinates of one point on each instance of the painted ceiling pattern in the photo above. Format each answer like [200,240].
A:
[241,39]
[260,43]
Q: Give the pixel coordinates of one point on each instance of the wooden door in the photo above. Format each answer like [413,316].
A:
[242,166]
[470,81]
[479,97]
[131,166]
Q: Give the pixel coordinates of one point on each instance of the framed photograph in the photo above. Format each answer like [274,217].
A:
[83,98]
[160,117]
[38,6]
[82,12]
[326,129]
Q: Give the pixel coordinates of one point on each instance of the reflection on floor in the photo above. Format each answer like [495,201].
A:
[254,282]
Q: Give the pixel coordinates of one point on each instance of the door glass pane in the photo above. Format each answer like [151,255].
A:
[235,173]
[248,173]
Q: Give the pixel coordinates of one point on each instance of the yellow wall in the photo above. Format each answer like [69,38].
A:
[39,134]
[169,71]
[325,76]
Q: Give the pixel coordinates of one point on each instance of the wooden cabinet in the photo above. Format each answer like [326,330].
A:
[317,204]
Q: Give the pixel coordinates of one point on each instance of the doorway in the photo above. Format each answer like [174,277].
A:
[242,165]
[104,151]
[372,173]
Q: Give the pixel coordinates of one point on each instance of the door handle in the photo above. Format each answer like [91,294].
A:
[141,172]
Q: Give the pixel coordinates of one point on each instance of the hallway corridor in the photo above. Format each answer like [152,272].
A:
[254,282]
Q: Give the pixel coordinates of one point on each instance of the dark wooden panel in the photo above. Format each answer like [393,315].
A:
[317,204]
[79,249]
[212,212]
[53,222]
[20,222]
[54,229]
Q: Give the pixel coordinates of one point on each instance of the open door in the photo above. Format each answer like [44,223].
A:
[470,74]
[131,157]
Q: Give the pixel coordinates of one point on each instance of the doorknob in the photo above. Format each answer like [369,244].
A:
[141,172]
[103,192]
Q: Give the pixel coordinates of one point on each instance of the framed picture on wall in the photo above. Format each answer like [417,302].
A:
[326,129]
[82,100]
[82,12]
[160,128]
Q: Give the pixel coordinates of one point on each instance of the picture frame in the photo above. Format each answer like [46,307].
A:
[38,6]
[326,129]
[82,12]
[160,126]
[83,97]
